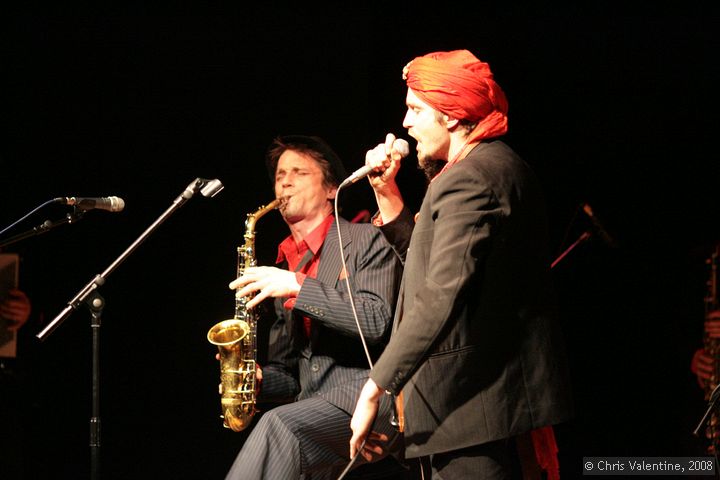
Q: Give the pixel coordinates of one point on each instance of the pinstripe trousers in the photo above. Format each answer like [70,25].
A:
[308,439]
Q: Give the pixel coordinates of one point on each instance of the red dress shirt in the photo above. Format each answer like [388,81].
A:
[293,253]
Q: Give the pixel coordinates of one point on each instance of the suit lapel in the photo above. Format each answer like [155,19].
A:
[399,305]
[330,264]
[329,267]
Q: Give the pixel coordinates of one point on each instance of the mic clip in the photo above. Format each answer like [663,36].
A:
[76,214]
[210,188]
[207,187]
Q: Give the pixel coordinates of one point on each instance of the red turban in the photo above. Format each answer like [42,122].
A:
[457,84]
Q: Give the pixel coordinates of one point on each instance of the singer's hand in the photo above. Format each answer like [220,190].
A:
[365,412]
[385,160]
[267,282]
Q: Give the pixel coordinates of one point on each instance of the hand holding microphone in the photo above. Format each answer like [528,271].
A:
[383,159]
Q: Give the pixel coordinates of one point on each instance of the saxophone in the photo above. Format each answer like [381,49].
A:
[712,348]
[236,341]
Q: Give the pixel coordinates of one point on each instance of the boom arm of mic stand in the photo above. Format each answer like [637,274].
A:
[44,227]
[99,279]
[584,236]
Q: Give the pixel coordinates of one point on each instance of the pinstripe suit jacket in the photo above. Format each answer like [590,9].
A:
[332,363]
[474,342]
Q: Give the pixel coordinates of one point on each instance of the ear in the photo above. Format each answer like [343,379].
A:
[331,193]
[450,122]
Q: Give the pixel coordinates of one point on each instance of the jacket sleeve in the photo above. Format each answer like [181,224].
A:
[373,274]
[399,231]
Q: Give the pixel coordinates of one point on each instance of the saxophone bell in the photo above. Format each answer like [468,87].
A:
[237,373]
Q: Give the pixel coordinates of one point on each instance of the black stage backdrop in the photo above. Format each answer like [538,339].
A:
[611,107]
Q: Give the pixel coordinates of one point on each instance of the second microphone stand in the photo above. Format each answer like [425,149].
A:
[90,296]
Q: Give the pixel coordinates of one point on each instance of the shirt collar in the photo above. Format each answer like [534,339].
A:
[314,241]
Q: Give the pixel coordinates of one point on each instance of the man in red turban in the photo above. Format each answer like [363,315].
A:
[475,355]
[461,86]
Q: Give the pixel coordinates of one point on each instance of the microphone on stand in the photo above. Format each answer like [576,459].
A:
[111,204]
[400,145]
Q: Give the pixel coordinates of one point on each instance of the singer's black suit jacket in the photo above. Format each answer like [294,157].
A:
[475,347]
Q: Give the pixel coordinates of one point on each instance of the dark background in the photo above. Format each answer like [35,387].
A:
[612,107]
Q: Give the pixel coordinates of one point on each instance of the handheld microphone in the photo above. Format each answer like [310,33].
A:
[111,204]
[400,145]
[598,226]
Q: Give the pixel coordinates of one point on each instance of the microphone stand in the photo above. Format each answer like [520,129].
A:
[583,237]
[46,226]
[90,296]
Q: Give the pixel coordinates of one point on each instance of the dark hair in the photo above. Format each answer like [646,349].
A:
[467,125]
[330,164]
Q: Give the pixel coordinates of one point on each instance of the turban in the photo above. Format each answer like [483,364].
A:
[457,84]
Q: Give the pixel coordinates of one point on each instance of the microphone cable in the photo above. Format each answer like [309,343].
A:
[347,281]
[405,149]
[352,460]
[54,200]
[357,323]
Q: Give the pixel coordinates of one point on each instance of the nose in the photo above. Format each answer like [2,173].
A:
[407,121]
[286,180]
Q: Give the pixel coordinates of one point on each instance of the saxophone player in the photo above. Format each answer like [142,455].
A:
[316,362]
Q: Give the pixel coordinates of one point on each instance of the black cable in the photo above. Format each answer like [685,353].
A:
[352,462]
[357,322]
[347,281]
[54,200]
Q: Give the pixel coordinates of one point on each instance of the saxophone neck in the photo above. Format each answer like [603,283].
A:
[253,217]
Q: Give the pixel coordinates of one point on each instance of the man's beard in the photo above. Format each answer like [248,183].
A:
[430,166]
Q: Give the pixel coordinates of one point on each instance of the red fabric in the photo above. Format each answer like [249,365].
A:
[363,216]
[459,85]
[294,252]
[546,451]
[258,381]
